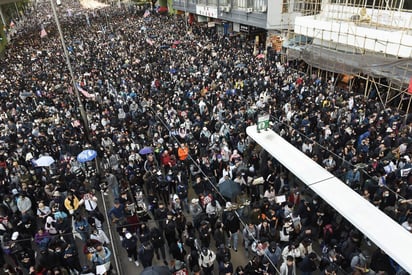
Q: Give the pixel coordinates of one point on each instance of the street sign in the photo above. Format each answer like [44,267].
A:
[263,122]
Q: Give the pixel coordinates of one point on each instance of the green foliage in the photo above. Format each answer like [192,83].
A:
[170,6]
[9,10]
[141,2]
[3,41]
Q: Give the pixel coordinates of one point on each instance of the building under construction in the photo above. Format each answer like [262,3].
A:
[367,44]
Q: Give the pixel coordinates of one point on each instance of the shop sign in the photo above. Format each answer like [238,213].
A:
[206,11]
[244,28]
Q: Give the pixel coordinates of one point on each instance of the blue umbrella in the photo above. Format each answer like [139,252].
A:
[146,150]
[229,189]
[86,155]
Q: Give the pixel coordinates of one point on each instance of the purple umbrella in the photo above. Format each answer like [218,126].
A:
[146,150]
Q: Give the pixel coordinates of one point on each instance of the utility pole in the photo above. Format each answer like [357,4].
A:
[76,91]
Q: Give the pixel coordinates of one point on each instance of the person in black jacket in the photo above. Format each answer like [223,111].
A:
[232,225]
[158,243]
[381,263]
[205,233]
[130,244]
[178,251]
[308,264]
[219,235]
[160,215]
[223,253]
[146,254]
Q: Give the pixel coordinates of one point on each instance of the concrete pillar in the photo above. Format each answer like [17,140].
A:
[2,17]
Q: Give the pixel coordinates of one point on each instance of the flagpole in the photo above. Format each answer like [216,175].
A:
[76,91]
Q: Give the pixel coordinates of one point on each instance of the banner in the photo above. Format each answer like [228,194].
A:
[85,93]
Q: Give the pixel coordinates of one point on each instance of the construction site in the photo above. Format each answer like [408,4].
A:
[362,45]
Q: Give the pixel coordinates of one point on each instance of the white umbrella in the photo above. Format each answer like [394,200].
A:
[44,161]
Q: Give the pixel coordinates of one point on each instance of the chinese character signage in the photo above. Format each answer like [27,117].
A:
[206,11]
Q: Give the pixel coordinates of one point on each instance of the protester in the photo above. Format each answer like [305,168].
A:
[190,102]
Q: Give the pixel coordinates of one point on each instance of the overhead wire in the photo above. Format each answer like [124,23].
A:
[336,155]
[244,224]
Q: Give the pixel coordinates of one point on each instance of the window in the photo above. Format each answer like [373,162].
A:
[285,6]
[299,5]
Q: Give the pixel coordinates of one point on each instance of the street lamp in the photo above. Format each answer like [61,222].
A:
[76,91]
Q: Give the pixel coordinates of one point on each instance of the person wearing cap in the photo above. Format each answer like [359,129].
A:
[129,243]
[206,260]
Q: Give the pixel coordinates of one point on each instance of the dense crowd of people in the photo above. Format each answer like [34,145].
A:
[167,109]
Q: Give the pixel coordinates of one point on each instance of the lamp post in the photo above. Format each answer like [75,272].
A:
[185,3]
[76,91]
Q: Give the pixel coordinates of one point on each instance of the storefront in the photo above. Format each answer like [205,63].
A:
[251,33]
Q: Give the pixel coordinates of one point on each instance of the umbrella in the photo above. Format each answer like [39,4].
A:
[44,161]
[86,155]
[146,150]
[260,56]
[156,270]
[229,189]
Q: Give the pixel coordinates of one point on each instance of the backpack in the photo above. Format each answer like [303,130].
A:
[230,216]
[181,192]
[98,215]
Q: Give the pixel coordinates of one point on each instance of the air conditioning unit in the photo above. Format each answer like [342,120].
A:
[249,10]
[225,8]
[264,8]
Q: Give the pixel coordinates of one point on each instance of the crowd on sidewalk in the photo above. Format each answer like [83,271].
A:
[187,93]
